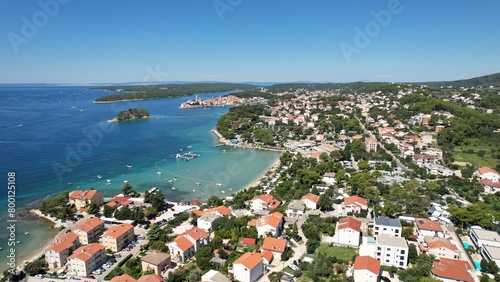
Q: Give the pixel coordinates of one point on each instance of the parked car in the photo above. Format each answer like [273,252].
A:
[294,267]
[91,276]
[39,276]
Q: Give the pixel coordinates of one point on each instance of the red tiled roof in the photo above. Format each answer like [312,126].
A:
[249,260]
[274,244]
[439,243]
[355,200]
[124,201]
[87,225]
[349,222]
[247,241]
[118,230]
[150,278]
[311,197]
[223,210]
[368,263]
[487,182]
[452,269]
[183,243]
[84,253]
[197,233]
[273,220]
[426,224]
[123,278]
[485,169]
[268,255]
[64,242]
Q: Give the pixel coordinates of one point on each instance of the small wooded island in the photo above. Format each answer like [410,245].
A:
[131,114]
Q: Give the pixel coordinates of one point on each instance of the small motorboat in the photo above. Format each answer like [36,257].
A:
[173,188]
[129,166]
[218,184]
[198,183]
[159,172]
[99,177]
[175,178]
[27,233]
[125,181]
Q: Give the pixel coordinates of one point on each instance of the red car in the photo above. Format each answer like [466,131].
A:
[91,276]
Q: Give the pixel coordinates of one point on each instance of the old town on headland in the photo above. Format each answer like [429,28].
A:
[377,181]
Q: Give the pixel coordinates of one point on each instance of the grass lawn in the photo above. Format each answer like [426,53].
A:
[475,160]
[341,253]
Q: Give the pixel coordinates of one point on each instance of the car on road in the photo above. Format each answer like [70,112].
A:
[293,267]
[91,276]
[297,238]
[62,276]
[39,276]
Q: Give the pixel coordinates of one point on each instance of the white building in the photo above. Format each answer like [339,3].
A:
[347,232]
[488,173]
[270,224]
[425,227]
[86,259]
[206,221]
[388,226]
[482,237]
[249,267]
[295,209]
[366,269]
[491,253]
[311,201]
[391,251]
[329,178]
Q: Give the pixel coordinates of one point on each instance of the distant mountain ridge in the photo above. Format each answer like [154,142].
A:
[485,80]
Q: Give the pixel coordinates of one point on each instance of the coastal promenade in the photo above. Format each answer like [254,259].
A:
[244,146]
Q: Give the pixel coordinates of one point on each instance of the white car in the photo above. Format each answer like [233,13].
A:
[293,267]
[39,276]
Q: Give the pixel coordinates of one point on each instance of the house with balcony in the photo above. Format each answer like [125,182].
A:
[156,261]
[268,225]
[82,199]
[388,226]
[86,259]
[88,230]
[366,269]
[391,251]
[118,237]
[58,252]
[249,267]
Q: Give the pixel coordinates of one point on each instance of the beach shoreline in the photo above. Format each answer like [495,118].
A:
[226,142]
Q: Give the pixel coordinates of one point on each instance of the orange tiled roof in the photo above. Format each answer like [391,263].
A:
[452,269]
[355,200]
[183,243]
[274,244]
[84,253]
[311,197]
[273,220]
[485,169]
[64,242]
[368,263]
[439,243]
[426,224]
[349,222]
[268,255]
[249,260]
[80,194]
[87,225]
[150,278]
[118,230]
[77,194]
[123,278]
[197,233]
[223,210]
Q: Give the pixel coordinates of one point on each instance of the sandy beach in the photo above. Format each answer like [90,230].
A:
[57,223]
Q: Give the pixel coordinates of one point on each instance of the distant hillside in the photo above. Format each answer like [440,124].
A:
[485,80]
[158,91]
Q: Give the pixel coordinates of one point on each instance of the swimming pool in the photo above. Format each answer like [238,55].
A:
[477,264]
[370,240]
[466,244]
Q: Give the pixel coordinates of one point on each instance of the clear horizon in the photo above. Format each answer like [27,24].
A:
[94,42]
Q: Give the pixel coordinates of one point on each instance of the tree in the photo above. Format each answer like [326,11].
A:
[151,212]
[154,232]
[203,256]
[275,276]
[412,253]
[93,209]
[214,201]
[39,266]
[325,202]
[127,189]
[158,245]
[108,211]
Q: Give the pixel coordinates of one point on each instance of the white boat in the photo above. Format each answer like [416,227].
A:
[175,178]
[218,184]
[99,177]
[223,191]
[129,166]
[159,172]
[125,181]
[26,233]
[108,180]
[198,183]
[189,147]
[173,188]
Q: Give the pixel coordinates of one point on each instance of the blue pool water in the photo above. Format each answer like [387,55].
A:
[371,240]
[477,264]
[466,244]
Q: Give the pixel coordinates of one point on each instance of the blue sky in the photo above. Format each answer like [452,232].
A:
[95,41]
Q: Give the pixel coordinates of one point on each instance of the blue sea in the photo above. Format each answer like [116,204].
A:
[56,139]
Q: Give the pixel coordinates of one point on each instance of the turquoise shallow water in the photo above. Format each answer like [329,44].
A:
[56,139]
